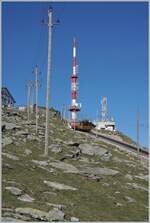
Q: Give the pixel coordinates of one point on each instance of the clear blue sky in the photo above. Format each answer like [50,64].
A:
[112,54]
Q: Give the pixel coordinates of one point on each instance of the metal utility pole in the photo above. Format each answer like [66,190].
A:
[50,25]
[64,115]
[36,72]
[138,132]
[48,79]
[29,97]
[28,102]
[97,118]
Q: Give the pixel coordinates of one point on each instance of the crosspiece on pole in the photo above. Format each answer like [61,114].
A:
[36,72]
[50,25]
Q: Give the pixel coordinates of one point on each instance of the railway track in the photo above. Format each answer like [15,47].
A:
[119,143]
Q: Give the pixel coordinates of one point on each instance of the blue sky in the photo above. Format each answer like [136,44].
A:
[112,54]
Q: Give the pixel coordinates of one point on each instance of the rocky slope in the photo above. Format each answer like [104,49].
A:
[81,179]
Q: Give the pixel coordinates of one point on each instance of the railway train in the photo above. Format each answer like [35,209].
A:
[84,126]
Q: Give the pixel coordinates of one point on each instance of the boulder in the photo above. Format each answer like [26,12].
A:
[41,163]
[106,184]
[56,215]
[7,166]
[71,143]
[136,186]
[50,193]
[84,159]
[33,213]
[130,200]
[26,198]
[32,137]
[74,219]
[142,177]
[28,152]
[8,219]
[10,156]
[10,126]
[86,149]
[67,168]
[55,148]
[106,157]
[59,186]
[129,177]
[118,204]
[98,171]
[53,215]
[14,190]
[92,150]
[58,206]
[6,141]
[21,133]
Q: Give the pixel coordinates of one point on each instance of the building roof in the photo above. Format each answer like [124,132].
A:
[4,89]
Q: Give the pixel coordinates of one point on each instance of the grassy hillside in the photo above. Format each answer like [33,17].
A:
[104,183]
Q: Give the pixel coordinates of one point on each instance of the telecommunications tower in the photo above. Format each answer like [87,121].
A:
[104,108]
[74,108]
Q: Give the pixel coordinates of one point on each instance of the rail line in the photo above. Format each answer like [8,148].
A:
[119,143]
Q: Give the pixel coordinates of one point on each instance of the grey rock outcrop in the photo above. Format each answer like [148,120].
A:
[14,190]
[142,177]
[92,150]
[129,177]
[12,219]
[67,168]
[71,143]
[26,198]
[55,148]
[41,215]
[21,133]
[10,126]
[41,163]
[98,171]
[136,186]
[56,215]
[57,206]
[130,199]
[74,219]
[6,141]
[59,186]
[28,152]
[106,157]
[10,156]
[33,213]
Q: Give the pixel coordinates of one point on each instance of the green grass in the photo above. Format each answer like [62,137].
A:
[93,201]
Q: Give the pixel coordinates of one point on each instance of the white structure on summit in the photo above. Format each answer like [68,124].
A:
[105,123]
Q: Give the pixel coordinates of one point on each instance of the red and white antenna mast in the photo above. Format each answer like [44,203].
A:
[74,108]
